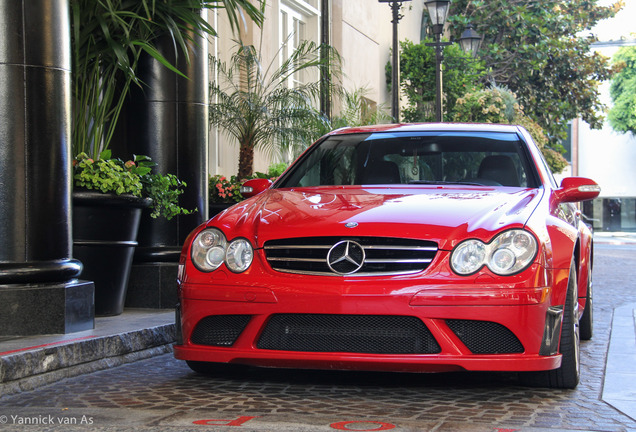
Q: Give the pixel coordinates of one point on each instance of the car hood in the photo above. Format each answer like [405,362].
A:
[445,215]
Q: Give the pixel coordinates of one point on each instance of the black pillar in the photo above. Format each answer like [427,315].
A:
[168,121]
[38,292]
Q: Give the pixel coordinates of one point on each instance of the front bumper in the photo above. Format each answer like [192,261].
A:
[512,312]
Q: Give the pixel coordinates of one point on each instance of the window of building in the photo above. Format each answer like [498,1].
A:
[298,21]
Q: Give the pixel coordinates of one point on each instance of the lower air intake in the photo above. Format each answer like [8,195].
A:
[485,337]
[372,334]
[219,330]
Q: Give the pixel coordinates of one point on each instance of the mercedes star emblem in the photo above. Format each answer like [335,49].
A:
[345,257]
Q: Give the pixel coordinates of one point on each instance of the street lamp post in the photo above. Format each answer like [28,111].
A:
[438,11]
[395,84]
[469,41]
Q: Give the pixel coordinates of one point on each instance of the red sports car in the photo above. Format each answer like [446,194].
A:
[419,248]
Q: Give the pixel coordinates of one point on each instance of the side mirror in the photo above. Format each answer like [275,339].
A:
[575,189]
[255,186]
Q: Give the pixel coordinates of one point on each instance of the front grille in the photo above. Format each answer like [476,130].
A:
[370,256]
[372,334]
[485,337]
[219,330]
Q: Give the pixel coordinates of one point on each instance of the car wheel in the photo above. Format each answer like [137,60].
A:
[209,368]
[568,374]
[586,324]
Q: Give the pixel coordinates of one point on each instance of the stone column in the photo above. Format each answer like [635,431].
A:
[38,292]
[168,121]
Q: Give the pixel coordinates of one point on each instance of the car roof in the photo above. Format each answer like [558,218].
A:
[428,127]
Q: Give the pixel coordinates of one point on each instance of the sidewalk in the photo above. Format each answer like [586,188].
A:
[619,387]
[33,361]
[615,238]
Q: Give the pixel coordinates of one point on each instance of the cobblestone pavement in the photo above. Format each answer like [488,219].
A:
[163,394]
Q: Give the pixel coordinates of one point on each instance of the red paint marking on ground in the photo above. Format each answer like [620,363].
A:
[46,345]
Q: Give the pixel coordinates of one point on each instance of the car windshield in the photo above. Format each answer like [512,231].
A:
[474,158]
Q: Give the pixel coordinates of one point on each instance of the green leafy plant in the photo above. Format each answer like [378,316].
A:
[493,105]
[274,170]
[134,177]
[224,190]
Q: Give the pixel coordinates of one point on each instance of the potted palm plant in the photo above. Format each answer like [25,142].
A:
[253,103]
[108,39]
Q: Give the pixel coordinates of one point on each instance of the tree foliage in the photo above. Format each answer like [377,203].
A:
[499,105]
[417,78]
[539,51]
[622,116]
[493,105]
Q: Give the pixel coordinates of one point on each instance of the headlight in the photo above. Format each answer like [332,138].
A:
[468,257]
[208,250]
[508,253]
[239,255]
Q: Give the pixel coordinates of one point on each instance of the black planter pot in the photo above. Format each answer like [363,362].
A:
[104,238]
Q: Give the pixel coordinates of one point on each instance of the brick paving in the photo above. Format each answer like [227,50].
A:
[162,393]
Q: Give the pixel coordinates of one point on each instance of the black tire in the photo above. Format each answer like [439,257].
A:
[209,368]
[568,374]
[586,323]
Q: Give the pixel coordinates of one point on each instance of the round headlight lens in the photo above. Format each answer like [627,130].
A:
[239,255]
[508,253]
[468,257]
[512,251]
[215,256]
[208,249]
[502,261]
